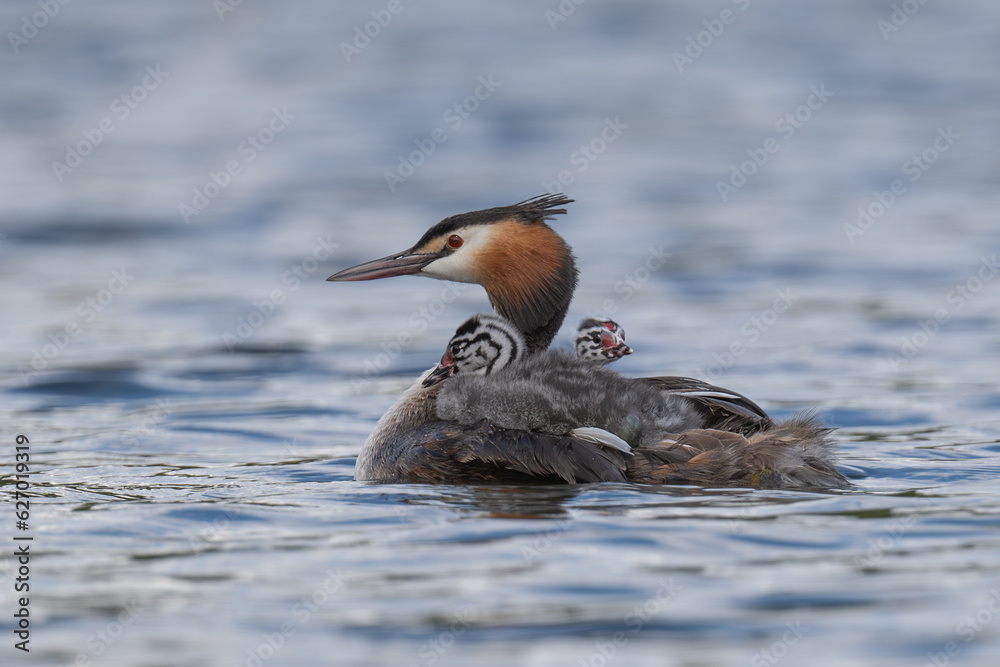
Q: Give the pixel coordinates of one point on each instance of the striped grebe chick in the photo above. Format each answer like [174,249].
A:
[600,341]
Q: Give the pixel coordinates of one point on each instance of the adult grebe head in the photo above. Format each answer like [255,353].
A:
[527,269]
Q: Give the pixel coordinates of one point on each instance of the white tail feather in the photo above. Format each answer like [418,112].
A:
[599,436]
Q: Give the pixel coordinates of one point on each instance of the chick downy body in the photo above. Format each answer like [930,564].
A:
[494,383]
[554,392]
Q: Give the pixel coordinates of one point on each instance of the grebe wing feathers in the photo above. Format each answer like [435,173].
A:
[446,452]
[722,408]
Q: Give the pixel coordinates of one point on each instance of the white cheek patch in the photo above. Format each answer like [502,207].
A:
[452,267]
[460,265]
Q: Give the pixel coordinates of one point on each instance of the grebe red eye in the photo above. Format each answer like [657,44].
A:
[455,241]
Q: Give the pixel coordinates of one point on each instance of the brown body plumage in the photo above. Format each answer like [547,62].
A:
[446,452]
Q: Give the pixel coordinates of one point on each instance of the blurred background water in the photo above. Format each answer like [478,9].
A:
[178,179]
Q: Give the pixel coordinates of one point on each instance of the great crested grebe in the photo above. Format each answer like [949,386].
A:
[529,274]
[608,427]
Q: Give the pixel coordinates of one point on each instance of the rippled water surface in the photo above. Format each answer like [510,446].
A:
[195,394]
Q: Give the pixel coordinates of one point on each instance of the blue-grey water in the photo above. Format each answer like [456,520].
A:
[178,179]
